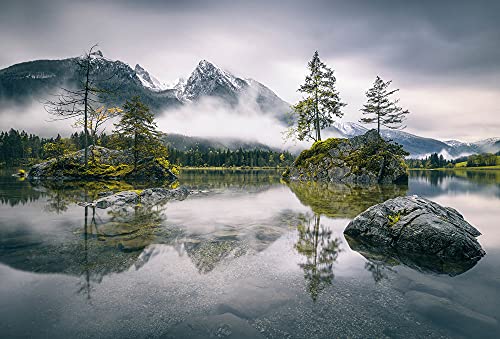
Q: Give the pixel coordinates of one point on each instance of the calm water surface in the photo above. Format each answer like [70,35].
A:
[245,256]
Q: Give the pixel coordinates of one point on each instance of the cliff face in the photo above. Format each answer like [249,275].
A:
[365,159]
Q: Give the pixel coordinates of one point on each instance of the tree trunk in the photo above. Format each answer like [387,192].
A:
[381,171]
[86,132]
[378,124]
[316,121]
[135,151]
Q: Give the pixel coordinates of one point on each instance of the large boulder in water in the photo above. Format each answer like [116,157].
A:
[419,233]
[103,163]
[365,159]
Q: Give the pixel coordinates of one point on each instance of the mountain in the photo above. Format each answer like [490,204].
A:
[420,147]
[208,80]
[36,80]
[148,80]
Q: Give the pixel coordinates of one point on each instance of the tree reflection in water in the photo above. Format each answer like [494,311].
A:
[315,243]
[377,269]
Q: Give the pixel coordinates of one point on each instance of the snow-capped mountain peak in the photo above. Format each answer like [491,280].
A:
[349,129]
[207,79]
[148,80]
[456,143]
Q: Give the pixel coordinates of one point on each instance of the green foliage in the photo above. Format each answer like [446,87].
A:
[18,148]
[393,219]
[372,155]
[318,151]
[435,161]
[368,156]
[57,148]
[138,128]
[486,159]
[208,157]
[320,250]
[381,109]
[320,104]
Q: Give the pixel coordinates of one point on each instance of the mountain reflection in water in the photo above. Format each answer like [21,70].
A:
[245,253]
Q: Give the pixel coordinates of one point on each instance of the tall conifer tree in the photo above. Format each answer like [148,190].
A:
[320,104]
[381,109]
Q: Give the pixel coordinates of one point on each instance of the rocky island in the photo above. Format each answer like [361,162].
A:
[103,163]
[365,159]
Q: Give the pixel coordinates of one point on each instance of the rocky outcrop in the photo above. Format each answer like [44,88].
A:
[103,163]
[417,232]
[147,197]
[365,159]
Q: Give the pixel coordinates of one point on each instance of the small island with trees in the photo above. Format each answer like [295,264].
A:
[366,159]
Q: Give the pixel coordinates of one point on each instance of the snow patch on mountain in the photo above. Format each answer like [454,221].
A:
[148,80]
[349,129]
[207,78]
[456,143]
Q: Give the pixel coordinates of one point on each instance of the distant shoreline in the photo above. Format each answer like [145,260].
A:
[479,168]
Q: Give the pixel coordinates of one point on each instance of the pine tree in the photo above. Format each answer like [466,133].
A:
[137,125]
[381,108]
[321,103]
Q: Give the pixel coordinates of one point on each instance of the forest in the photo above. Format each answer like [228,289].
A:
[19,148]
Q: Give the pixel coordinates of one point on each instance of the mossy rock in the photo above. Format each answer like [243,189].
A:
[103,163]
[365,159]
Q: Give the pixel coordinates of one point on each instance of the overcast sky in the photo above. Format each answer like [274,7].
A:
[443,55]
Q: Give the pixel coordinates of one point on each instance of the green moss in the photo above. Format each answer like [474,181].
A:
[393,219]
[318,151]
[286,174]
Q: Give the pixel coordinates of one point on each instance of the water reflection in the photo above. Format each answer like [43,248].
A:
[420,262]
[246,246]
[315,243]
[343,201]
[435,183]
[437,177]
[227,178]
[377,269]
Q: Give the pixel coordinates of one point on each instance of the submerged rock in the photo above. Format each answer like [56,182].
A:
[365,159]
[417,232]
[118,199]
[148,197]
[154,196]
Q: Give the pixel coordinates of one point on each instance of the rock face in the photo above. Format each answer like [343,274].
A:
[365,159]
[103,163]
[417,232]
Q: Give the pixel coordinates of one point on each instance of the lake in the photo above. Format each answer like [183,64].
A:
[244,256]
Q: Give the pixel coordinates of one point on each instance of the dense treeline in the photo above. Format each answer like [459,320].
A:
[228,158]
[438,161]
[432,161]
[487,159]
[18,148]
